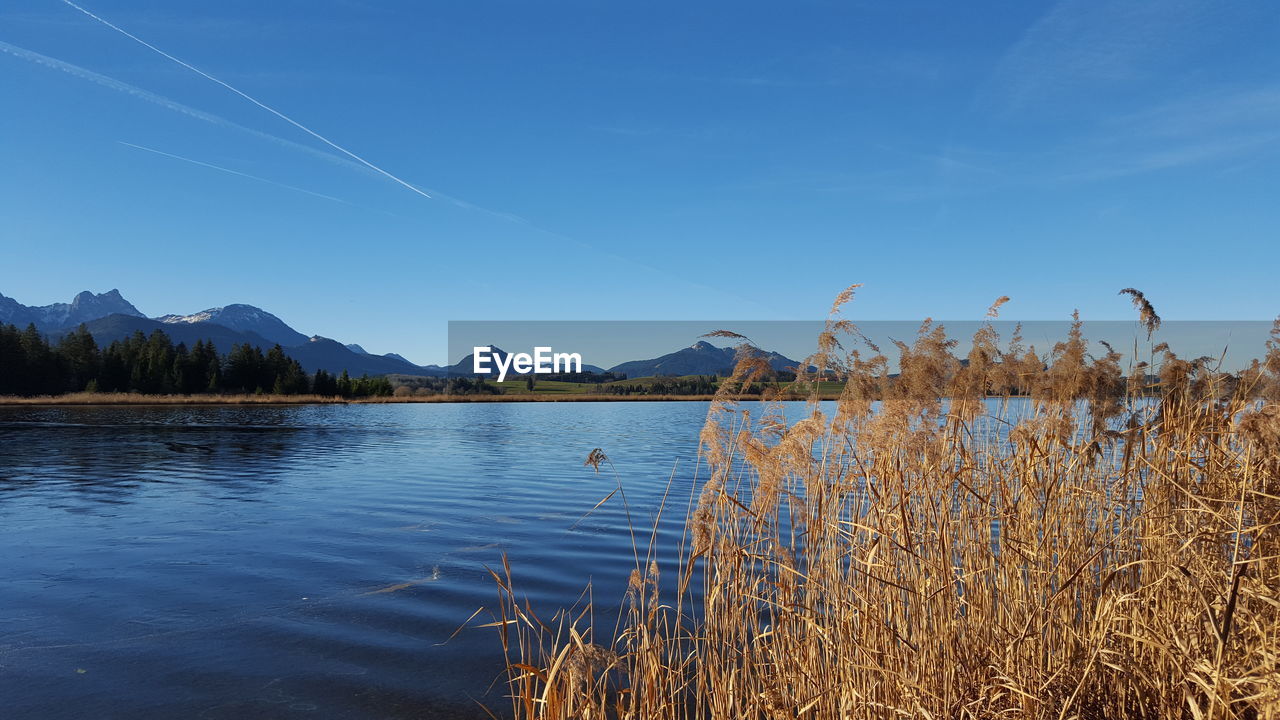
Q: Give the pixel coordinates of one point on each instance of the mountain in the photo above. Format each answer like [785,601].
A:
[313,354]
[701,358]
[331,355]
[83,307]
[245,318]
[118,327]
[353,347]
[109,317]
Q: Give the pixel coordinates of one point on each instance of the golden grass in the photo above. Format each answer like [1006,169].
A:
[1106,554]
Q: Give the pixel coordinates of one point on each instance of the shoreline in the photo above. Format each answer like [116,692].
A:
[129,399]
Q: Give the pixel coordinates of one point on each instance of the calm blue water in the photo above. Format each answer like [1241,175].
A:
[304,562]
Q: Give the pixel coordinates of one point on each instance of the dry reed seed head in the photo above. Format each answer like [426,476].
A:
[843,298]
[775,705]
[1271,361]
[713,440]
[595,458]
[797,443]
[926,367]
[858,392]
[820,361]
[994,310]
[653,577]
[589,658]
[701,522]
[773,423]
[751,368]
[1146,312]
[725,334]
[843,326]
[828,343]
[1261,427]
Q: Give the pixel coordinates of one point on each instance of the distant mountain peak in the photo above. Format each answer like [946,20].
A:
[110,317]
[353,347]
[84,307]
[245,318]
[701,358]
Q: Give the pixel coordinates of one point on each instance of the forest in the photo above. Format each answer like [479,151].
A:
[152,365]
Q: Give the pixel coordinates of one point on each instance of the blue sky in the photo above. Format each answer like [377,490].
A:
[594,160]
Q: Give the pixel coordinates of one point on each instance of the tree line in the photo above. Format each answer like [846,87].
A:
[694,385]
[419,385]
[152,365]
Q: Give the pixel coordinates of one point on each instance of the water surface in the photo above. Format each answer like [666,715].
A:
[309,562]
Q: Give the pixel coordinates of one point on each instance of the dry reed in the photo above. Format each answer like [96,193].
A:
[932,549]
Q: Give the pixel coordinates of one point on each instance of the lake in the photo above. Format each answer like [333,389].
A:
[307,561]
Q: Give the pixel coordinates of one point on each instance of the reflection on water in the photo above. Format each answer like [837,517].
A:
[239,562]
[289,562]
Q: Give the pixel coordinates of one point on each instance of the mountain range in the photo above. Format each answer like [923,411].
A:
[109,317]
[701,358]
[83,307]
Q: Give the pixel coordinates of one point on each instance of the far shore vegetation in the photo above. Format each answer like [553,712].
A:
[31,366]
[152,370]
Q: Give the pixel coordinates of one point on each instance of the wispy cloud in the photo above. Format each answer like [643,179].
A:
[1083,45]
[1238,108]
[1109,92]
[1207,127]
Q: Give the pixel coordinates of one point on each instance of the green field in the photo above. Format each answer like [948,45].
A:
[542,387]
[553,387]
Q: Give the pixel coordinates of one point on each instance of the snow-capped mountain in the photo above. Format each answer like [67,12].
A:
[701,358]
[245,318]
[83,308]
[109,317]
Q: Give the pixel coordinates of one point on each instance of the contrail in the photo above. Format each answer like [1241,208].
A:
[357,163]
[251,99]
[164,102]
[234,172]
